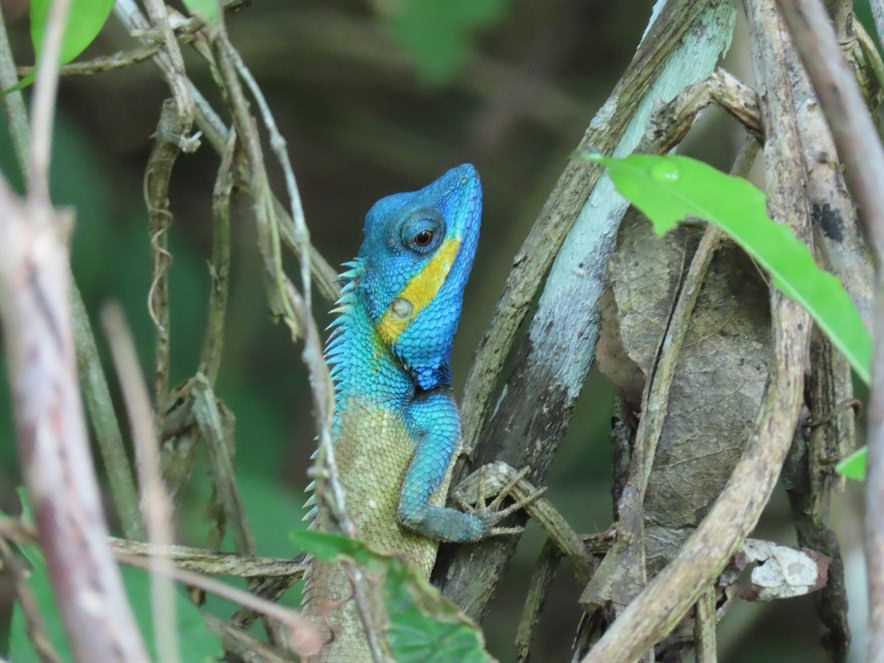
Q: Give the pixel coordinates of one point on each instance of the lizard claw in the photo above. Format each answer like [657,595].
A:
[493,513]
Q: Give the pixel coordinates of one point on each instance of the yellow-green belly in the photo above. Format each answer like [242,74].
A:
[373,451]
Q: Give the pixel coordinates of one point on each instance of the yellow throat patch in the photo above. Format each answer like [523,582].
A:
[418,292]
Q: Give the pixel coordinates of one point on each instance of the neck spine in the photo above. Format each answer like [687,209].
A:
[355,353]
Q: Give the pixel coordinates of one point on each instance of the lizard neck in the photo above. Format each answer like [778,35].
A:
[361,363]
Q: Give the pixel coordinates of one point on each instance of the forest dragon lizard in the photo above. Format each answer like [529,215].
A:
[396,429]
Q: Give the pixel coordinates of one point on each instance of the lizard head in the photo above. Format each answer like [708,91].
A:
[417,255]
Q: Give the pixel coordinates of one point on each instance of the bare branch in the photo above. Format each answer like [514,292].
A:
[705,625]
[668,597]
[43,108]
[859,147]
[210,562]
[157,175]
[219,265]
[178,81]
[104,422]
[858,143]
[95,390]
[518,431]
[54,449]
[102,63]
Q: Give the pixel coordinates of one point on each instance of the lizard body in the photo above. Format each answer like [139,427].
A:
[396,429]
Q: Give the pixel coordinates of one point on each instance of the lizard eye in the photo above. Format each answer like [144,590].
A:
[423,238]
[423,231]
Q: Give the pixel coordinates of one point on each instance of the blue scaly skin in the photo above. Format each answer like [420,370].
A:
[396,428]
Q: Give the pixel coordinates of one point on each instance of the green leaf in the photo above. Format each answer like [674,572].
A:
[437,33]
[208,10]
[85,20]
[196,642]
[423,625]
[854,466]
[668,189]
[327,546]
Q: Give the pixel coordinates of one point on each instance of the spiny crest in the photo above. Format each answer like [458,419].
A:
[337,340]
[334,348]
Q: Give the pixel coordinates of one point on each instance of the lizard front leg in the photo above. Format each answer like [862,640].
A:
[434,423]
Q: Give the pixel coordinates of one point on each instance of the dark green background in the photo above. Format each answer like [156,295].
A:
[370,104]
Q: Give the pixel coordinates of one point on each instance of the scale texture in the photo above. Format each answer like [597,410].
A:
[396,428]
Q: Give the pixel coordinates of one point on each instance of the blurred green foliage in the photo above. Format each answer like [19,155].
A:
[513,87]
[437,33]
[197,644]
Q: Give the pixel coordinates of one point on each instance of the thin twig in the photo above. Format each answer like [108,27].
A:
[34,623]
[178,80]
[704,627]
[296,311]
[157,176]
[103,63]
[211,562]
[211,427]
[200,560]
[544,572]
[241,644]
[155,505]
[43,106]
[219,264]
[96,393]
[16,112]
[277,142]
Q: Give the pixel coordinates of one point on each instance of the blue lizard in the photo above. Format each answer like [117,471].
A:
[396,429]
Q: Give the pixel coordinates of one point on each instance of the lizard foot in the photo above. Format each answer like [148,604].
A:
[502,481]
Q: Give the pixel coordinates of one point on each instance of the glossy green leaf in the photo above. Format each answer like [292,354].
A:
[423,625]
[196,642]
[854,466]
[438,33]
[669,189]
[85,20]
[328,546]
[208,10]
